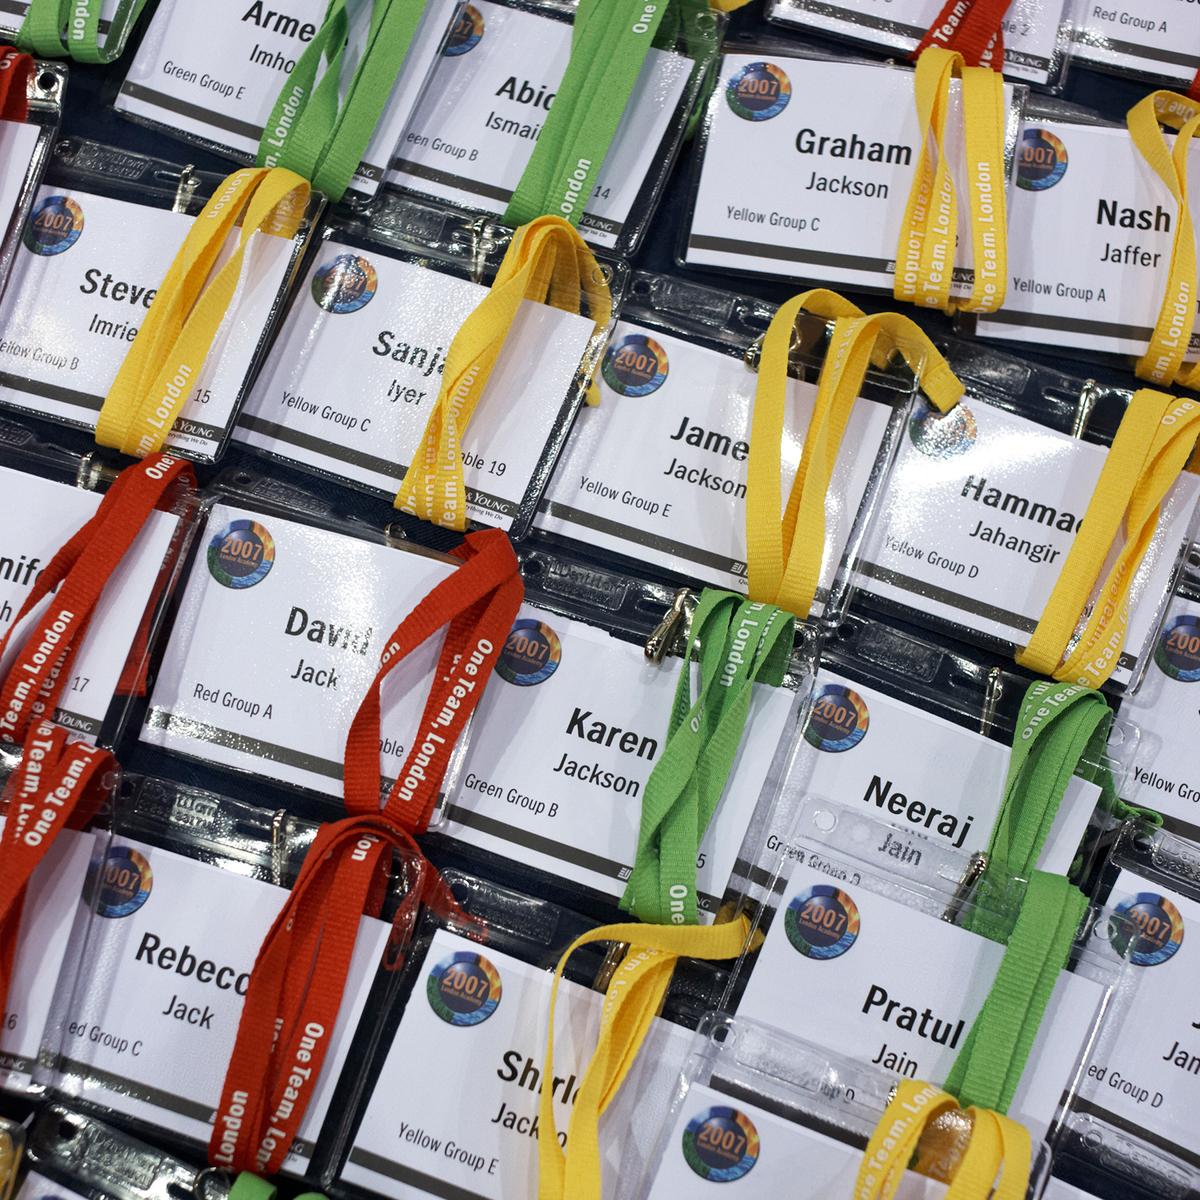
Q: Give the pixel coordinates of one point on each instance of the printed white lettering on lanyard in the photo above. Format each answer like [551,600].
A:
[390,324]
[457,1097]
[85,275]
[659,467]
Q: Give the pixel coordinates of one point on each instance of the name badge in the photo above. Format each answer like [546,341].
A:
[1159,38]
[564,741]
[1034,32]
[19,142]
[278,637]
[213,72]
[981,510]
[949,793]
[26,548]
[815,189]
[1166,708]
[168,962]
[898,987]
[1146,1075]
[389,324]
[87,271]
[478,121]
[455,1105]
[1100,289]
[658,470]
[719,1139]
[47,918]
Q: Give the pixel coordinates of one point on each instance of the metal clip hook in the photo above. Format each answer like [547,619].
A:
[991,699]
[189,181]
[659,643]
[482,245]
[1088,395]
[279,854]
[972,875]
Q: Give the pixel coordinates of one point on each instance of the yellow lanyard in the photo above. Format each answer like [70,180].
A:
[926,251]
[784,557]
[1163,361]
[1153,445]
[165,360]
[997,1157]
[547,261]
[634,997]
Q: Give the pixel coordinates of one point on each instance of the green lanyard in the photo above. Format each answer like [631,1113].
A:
[71,29]
[250,1187]
[314,132]
[609,45]
[739,643]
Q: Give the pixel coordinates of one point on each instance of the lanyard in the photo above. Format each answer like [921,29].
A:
[547,262]
[996,1162]
[972,27]
[784,556]
[609,44]
[165,361]
[16,70]
[926,252]
[633,999]
[311,130]
[735,643]
[1153,445]
[299,976]
[71,29]
[1163,363]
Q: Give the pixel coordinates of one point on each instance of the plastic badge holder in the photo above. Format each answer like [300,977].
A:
[523,800]
[419,258]
[1155,40]
[132,614]
[1054,411]
[753,1102]
[307,583]
[237,101]
[1034,52]
[704,540]
[46,88]
[199,951]
[512,942]
[73,1154]
[433,158]
[84,182]
[791,243]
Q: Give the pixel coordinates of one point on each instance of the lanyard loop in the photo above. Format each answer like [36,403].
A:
[1163,363]
[1153,445]
[972,27]
[633,999]
[314,132]
[735,643]
[300,973]
[609,44]
[16,70]
[166,358]
[926,253]
[547,262]
[784,557]
[71,29]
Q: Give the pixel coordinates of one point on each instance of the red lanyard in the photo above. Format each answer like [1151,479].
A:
[16,70]
[299,977]
[973,28]
[55,775]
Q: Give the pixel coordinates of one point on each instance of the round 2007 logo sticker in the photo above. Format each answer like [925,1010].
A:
[464,989]
[822,922]
[636,366]
[54,225]
[839,720]
[465,35]
[759,91]
[1178,651]
[1041,160]
[721,1144]
[344,284]
[530,655]
[1153,924]
[943,435]
[124,882]
[241,555]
